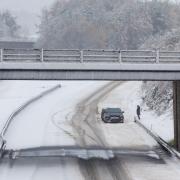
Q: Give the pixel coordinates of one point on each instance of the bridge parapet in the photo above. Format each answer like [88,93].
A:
[74,64]
[89,56]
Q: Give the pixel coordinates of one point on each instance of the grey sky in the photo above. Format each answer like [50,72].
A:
[33,6]
[27,12]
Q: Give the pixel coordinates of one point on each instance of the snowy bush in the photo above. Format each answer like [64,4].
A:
[9,29]
[157,96]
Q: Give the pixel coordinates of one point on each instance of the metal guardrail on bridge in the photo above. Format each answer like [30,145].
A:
[89,56]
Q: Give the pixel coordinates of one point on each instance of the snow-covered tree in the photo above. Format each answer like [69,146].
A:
[118,24]
[157,95]
[9,29]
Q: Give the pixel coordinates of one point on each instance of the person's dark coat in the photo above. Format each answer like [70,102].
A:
[138,111]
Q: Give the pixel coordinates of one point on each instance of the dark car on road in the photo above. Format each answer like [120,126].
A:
[112,115]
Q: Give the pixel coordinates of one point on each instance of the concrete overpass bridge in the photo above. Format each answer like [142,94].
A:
[89,64]
[43,64]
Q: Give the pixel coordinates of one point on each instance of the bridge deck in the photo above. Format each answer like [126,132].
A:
[89,65]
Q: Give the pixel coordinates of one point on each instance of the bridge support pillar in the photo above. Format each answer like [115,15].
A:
[176,99]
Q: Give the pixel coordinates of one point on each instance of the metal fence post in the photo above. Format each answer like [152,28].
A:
[81,56]
[1,58]
[42,55]
[157,56]
[120,57]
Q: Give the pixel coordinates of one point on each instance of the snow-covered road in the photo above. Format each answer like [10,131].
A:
[48,122]
[44,123]
[128,96]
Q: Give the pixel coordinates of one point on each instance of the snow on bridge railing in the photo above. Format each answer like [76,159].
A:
[89,56]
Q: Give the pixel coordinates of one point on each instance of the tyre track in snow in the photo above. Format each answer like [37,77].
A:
[58,125]
[84,122]
[64,130]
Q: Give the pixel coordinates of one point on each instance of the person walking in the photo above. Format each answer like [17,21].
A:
[138,111]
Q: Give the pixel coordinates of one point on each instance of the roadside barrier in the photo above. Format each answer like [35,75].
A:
[18,111]
[159,140]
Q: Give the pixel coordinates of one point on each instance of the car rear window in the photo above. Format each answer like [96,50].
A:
[113,110]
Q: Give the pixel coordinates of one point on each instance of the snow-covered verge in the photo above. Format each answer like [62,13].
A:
[15,93]
[127,96]
[163,125]
[157,108]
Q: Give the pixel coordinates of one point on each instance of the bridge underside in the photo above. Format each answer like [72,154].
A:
[53,71]
[88,75]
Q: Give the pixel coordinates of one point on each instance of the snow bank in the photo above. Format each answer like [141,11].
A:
[163,125]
